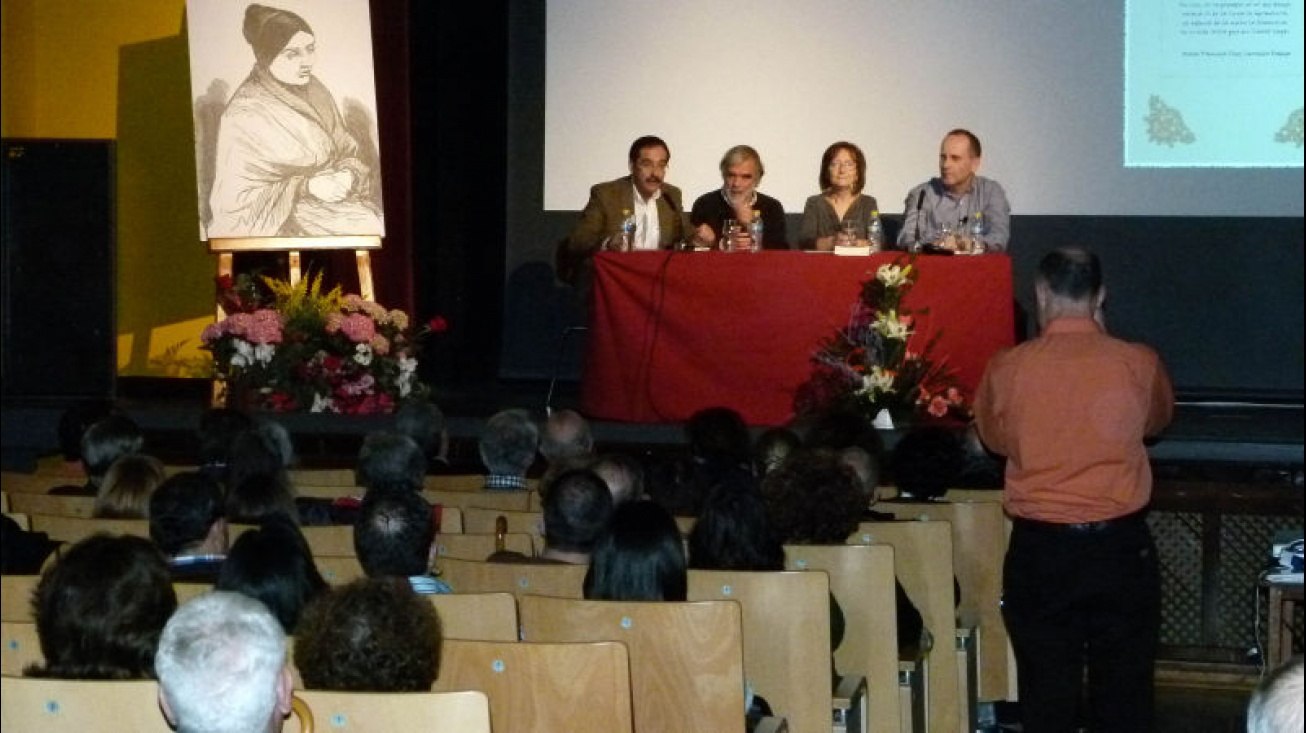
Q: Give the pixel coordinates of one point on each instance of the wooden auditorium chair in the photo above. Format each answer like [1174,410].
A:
[537,687]
[22,647]
[923,564]
[470,482]
[16,597]
[476,519]
[480,545]
[862,580]
[76,706]
[517,501]
[686,659]
[75,529]
[53,504]
[786,628]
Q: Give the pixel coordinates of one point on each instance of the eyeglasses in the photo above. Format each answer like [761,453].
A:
[843,165]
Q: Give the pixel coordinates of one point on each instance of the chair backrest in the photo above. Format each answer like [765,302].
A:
[923,563]
[334,539]
[786,625]
[14,482]
[478,546]
[862,580]
[477,616]
[20,646]
[535,687]
[59,706]
[464,712]
[517,501]
[23,521]
[338,569]
[343,477]
[486,520]
[686,659]
[75,529]
[980,532]
[190,591]
[519,579]
[16,597]
[327,492]
[4,501]
[53,504]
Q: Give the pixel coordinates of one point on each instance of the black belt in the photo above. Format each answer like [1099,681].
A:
[1102,525]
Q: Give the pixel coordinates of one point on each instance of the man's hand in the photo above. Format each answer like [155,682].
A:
[704,236]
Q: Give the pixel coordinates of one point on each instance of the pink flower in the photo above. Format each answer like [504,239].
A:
[264,328]
[938,407]
[212,333]
[359,328]
[238,324]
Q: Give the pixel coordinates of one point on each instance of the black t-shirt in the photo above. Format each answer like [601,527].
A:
[711,208]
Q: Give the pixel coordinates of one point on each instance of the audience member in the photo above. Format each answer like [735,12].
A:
[508,448]
[772,447]
[577,510]
[840,204]
[814,500]
[423,422]
[865,466]
[22,552]
[739,200]
[274,565]
[218,428]
[222,667]
[259,497]
[188,526]
[639,558]
[372,635]
[100,610]
[925,463]
[74,421]
[1071,410]
[127,486]
[936,210]
[390,462]
[842,427]
[623,474]
[565,443]
[734,533]
[394,538]
[277,438]
[103,443]
[1276,704]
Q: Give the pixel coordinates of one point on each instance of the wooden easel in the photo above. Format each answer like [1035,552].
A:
[362,245]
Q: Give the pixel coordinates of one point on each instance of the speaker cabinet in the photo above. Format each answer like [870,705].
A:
[57,231]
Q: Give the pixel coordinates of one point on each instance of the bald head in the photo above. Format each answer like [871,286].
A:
[566,436]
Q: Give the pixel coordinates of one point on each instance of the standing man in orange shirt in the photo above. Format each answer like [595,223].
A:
[1070,410]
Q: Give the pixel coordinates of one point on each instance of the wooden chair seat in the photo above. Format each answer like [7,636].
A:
[537,687]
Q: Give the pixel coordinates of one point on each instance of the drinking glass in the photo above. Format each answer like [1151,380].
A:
[728,229]
[847,236]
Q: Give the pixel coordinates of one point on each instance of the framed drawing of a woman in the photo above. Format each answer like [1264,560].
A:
[292,150]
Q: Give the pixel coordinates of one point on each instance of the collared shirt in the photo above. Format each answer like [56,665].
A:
[504,481]
[940,206]
[428,585]
[647,227]
[1070,410]
[185,560]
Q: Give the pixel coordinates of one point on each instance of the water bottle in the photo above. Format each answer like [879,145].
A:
[977,234]
[627,239]
[756,230]
[875,232]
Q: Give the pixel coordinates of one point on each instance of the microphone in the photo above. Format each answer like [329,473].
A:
[920,201]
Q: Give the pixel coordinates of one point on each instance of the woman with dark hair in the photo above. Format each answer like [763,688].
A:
[813,499]
[925,463]
[273,564]
[101,609]
[840,202]
[258,484]
[734,533]
[639,558]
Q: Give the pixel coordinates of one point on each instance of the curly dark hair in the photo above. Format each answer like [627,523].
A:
[372,635]
[926,462]
[734,533]
[813,499]
[101,609]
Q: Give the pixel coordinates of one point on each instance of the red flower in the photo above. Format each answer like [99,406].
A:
[938,407]
[437,325]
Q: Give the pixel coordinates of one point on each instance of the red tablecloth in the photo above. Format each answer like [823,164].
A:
[672,333]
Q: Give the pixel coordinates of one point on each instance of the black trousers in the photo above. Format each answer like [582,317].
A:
[1076,599]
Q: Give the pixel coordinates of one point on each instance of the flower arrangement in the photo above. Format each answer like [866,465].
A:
[869,366]
[315,351]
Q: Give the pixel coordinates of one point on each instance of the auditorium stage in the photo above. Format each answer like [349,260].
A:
[1205,436]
